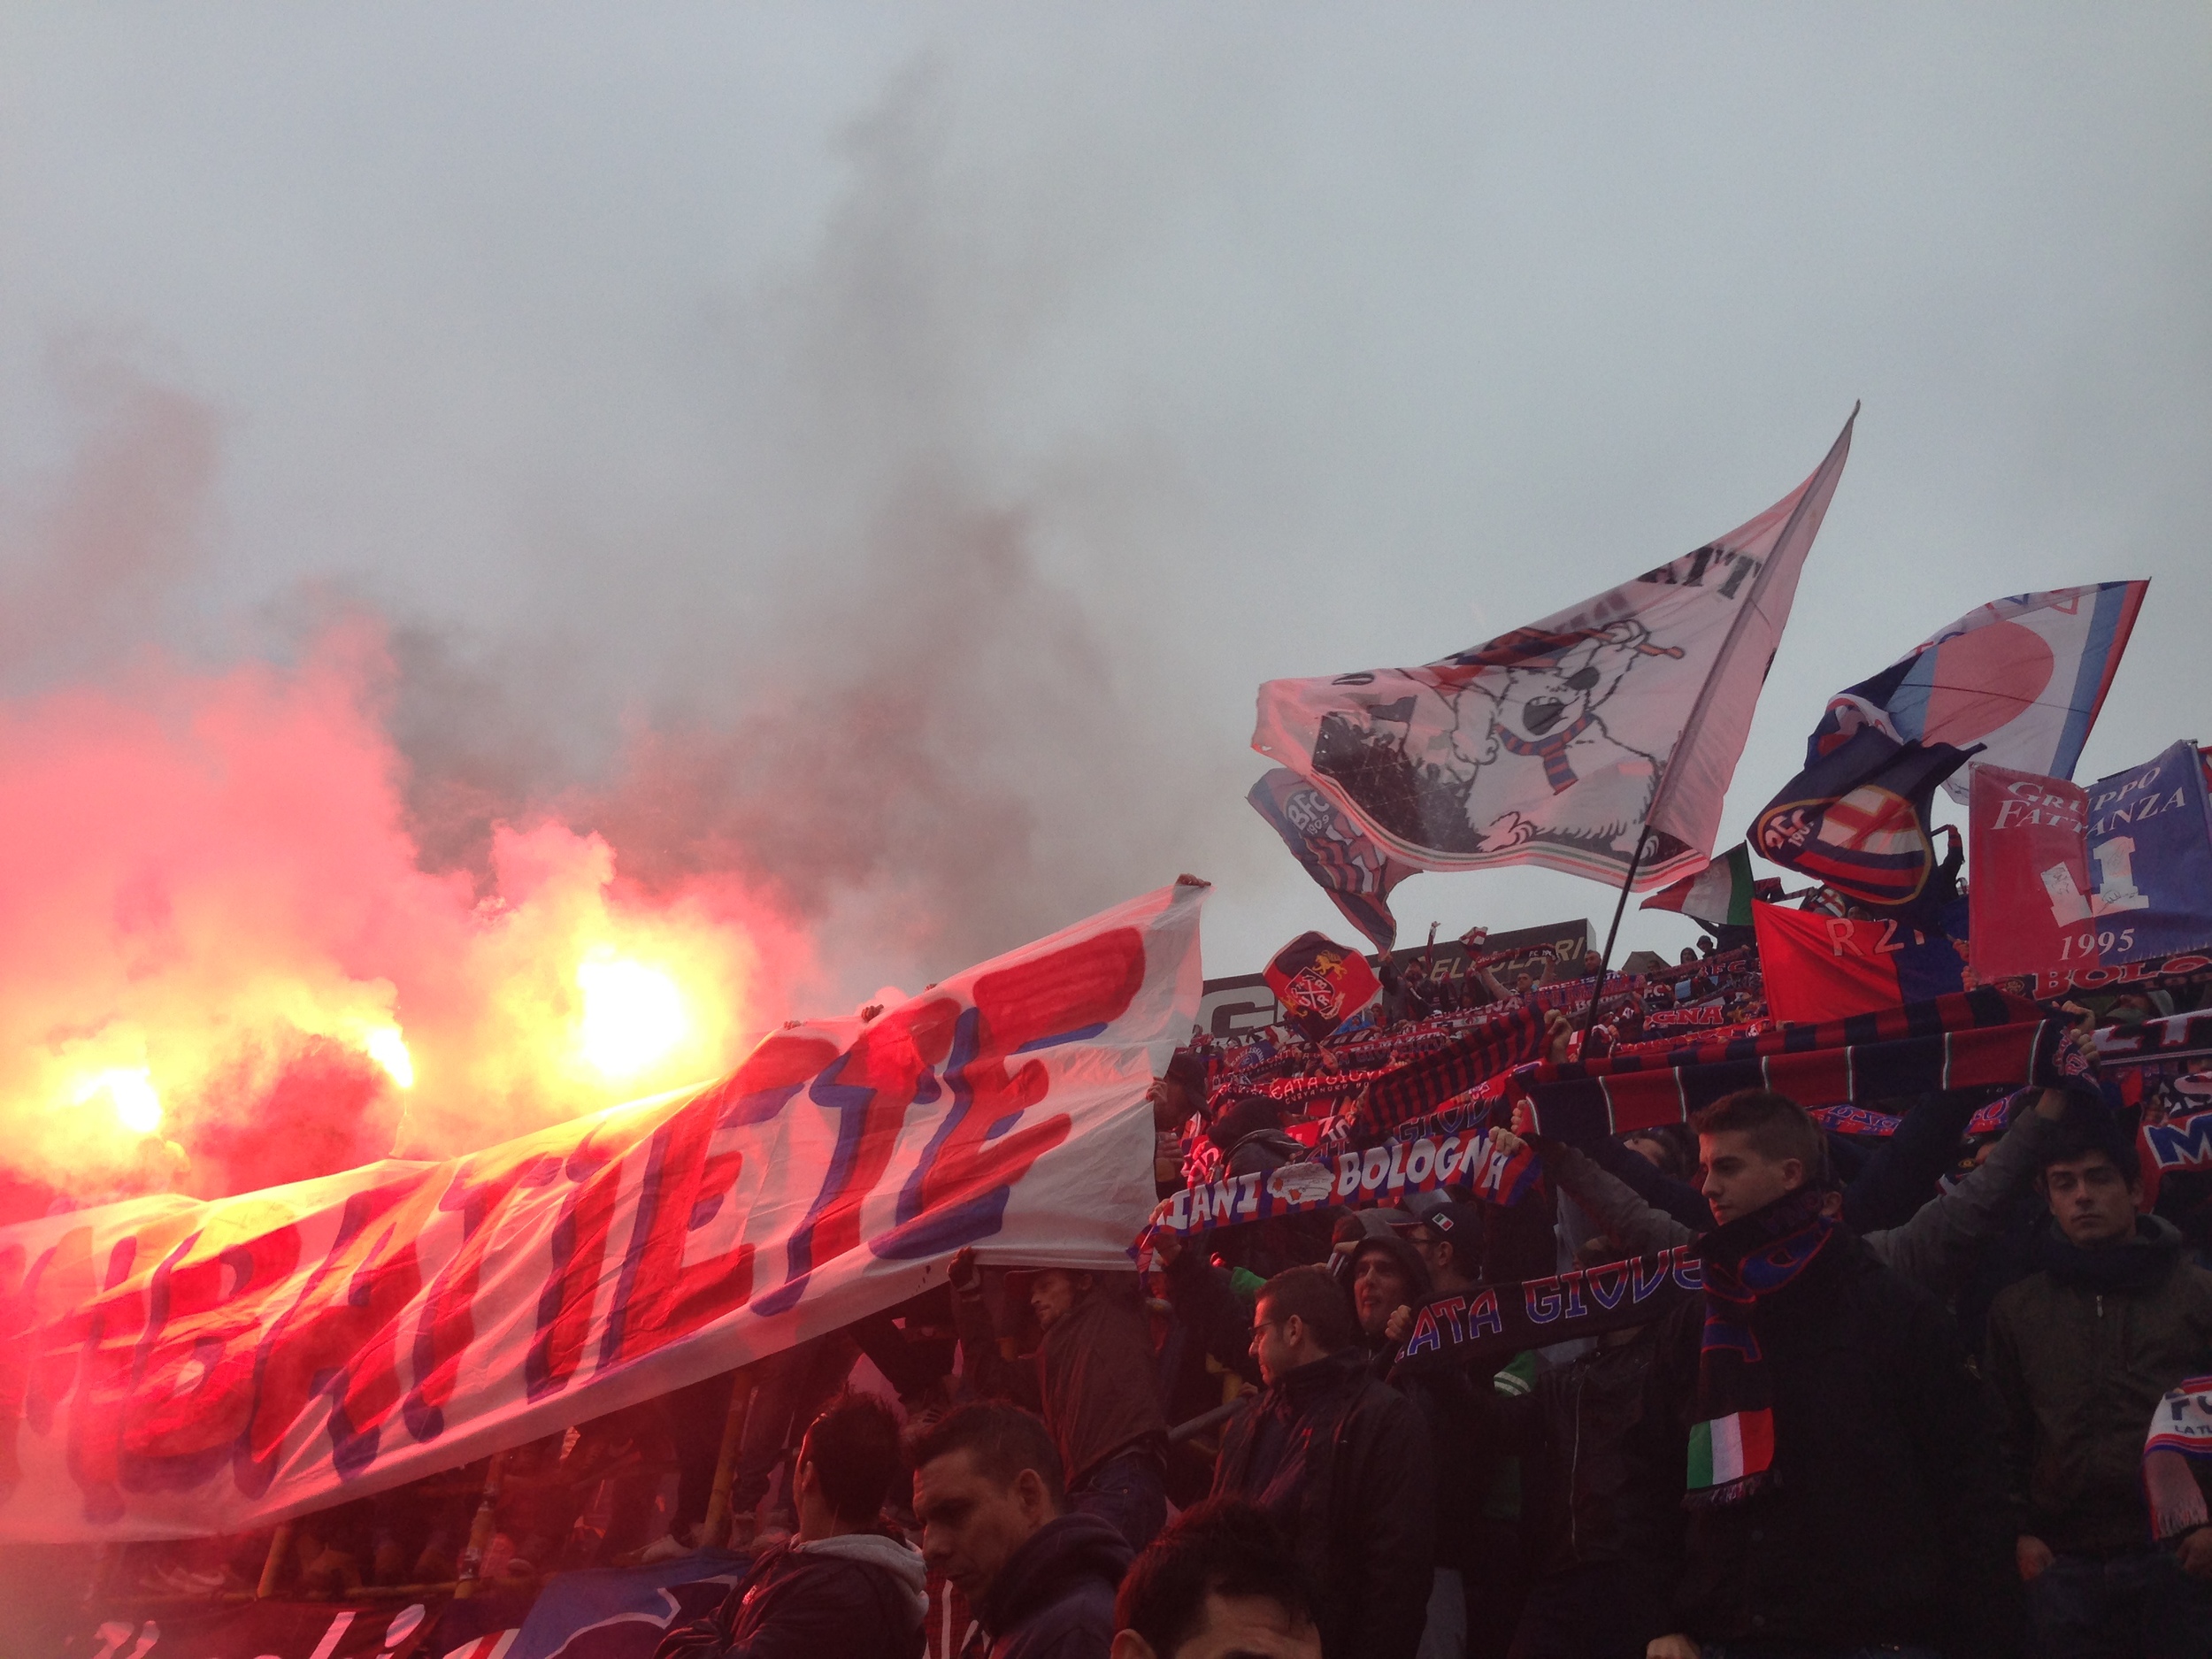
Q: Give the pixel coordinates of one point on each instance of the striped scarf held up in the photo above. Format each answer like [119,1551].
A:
[1732,1440]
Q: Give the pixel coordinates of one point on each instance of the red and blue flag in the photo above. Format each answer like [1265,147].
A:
[1824,967]
[2019,680]
[1342,857]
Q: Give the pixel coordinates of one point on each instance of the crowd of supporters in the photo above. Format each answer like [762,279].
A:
[1906,1415]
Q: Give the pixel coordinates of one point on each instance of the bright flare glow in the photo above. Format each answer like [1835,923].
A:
[389,1050]
[633,1015]
[130,1090]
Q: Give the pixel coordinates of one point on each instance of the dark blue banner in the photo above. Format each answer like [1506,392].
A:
[2150,854]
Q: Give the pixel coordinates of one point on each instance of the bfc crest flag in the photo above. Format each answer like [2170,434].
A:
[1857,818]
[2069,880]
[170,1368]
[1320,984]
[2018,680]
[1824,967]
[1559,743]
[1343,858]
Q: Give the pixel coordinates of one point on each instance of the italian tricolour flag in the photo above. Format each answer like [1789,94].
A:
[1720,894]
[1730,1449]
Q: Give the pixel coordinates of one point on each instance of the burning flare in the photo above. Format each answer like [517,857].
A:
[215,928]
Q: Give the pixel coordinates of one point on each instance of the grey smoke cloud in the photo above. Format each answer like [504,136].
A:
[888,448]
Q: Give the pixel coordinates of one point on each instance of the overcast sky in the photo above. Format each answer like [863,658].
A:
[1051,377]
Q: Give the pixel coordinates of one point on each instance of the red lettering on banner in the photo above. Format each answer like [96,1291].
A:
[15,1370]
[579,1252]
[342,1336]
[479,1192]
[958,1193]
[210,1299]
[870,1088]
[662,1297]
[88,1355]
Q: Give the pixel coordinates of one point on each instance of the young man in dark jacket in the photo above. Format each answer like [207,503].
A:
[1588,1597]
[1342,1464]
[2081,1355]
[993,1505]
[1813,1474]
[842,1584]
[1390,1276]
[1093,1379]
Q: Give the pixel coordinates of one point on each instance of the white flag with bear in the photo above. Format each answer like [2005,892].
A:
[1559,743]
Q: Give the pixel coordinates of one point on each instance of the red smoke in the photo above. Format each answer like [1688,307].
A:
[211,910]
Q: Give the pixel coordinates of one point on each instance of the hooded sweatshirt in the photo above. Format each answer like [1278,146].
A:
[861,1593]
[1054,1599]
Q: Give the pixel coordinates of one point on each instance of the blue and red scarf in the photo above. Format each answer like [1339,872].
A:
[1732,1438]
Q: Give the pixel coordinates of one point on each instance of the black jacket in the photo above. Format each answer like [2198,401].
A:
[1886,1521]
[1343,1464]
[798,1603]
[2079,1372]
[1571,1431]
[1054,1599]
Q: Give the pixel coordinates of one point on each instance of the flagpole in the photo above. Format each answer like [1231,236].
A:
[1605,961]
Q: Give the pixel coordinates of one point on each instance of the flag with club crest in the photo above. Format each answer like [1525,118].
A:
[1857,818]
[1320,983]
[1343,858]
[1561,743]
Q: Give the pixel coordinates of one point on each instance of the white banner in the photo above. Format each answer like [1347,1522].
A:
[170,1368]
[1558,743]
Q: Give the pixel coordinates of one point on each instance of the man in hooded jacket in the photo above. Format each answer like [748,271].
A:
[842,1584]
[1040,1578]
[2082,1355]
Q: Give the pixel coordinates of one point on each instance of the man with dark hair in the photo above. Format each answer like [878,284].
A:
[2082,1353]
[991,1498]
[1390,1279]
[1094,1380]
[844,1584]
[1813,1473]
[1342,1464]
[1218,1584]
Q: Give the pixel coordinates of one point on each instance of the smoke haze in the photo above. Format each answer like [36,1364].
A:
[824,483]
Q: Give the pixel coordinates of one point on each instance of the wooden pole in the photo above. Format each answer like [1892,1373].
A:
[714,1532]
[480,1529]
[272,1564]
